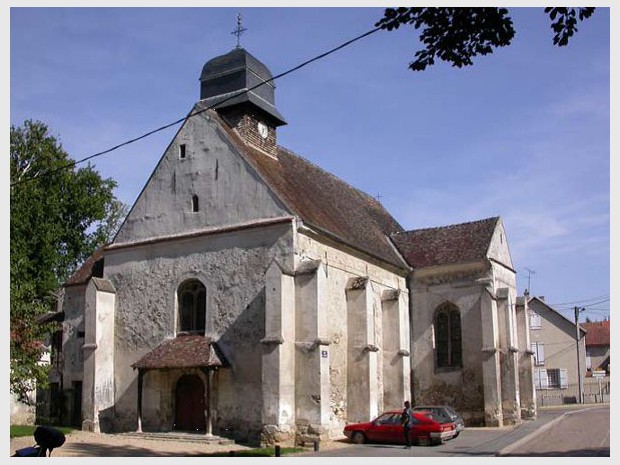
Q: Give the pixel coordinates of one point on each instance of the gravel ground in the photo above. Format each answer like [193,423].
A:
[86,444]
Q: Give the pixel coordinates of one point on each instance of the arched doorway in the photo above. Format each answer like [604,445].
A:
[189,398]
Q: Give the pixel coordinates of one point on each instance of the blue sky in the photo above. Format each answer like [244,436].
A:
[523,134]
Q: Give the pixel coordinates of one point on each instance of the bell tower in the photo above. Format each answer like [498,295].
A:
[241,89]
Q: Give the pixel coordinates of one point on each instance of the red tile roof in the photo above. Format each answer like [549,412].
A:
[184,351]
[597,333]
[459,243]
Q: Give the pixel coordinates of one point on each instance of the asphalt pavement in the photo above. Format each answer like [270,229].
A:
[483,441]
[471,442]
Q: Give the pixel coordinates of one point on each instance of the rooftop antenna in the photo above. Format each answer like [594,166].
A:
[529,276]
[239,31]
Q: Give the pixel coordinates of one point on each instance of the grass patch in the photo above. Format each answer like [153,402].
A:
[18,431]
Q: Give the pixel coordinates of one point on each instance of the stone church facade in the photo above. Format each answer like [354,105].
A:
[253,295]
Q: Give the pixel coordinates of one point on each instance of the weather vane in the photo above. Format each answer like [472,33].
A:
[240,30]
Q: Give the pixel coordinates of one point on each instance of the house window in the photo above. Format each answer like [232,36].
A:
[194,203]
[192,307]
[448,348]
[182,151]
[557,378]
[535,321]
[539,353]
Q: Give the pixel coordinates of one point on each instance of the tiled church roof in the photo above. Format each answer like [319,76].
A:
[184,351]
[460,243]
[91,267]
[324,201]
[597,333]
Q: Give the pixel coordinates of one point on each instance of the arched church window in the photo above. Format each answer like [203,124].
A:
[448,345]
[192,307]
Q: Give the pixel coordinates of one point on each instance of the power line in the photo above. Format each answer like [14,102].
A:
[605,296]
[166,126]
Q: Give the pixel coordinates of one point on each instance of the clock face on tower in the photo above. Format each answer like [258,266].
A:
[262,130]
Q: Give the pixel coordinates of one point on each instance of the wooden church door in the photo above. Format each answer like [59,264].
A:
[190,404]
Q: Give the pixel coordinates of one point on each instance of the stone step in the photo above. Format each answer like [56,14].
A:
[179,437]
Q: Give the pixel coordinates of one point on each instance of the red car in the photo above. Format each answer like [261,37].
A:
[387,428]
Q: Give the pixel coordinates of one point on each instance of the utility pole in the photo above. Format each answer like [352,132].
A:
[577,310]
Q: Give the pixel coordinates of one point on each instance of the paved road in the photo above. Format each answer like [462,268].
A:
[580,433]
[472,442]
[553,426]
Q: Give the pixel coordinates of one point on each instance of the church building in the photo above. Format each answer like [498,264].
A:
[253,295]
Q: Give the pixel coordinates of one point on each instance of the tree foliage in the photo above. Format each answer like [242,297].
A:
[456,35]
[59,216]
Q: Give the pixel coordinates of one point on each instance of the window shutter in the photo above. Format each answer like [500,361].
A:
[544,380]
[563,378]
[541,353]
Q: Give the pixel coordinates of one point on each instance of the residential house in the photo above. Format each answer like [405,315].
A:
[558,372]
[597,346]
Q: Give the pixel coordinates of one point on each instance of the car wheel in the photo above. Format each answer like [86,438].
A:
[358,437]
[422,441]
[456,435]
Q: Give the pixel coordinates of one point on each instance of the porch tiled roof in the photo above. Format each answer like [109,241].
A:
[184,351]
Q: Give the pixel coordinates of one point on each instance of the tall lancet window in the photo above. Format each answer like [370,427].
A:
[192,306]
[448,339]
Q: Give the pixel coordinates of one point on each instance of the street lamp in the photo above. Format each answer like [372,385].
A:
[577,311]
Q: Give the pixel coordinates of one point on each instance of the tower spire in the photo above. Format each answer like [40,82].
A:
[239,30]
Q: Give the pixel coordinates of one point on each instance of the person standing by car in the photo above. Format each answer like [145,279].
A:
[406,421]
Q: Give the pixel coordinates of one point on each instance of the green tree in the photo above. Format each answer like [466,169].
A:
[456,35]
[59,216]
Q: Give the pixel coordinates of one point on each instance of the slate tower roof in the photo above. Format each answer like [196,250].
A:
[237,74]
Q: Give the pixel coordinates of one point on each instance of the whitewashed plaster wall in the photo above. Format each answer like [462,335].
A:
[228,190]
[462,388]
[232,267]
[340,267]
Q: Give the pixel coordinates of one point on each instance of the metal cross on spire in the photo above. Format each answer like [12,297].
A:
[240,30]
